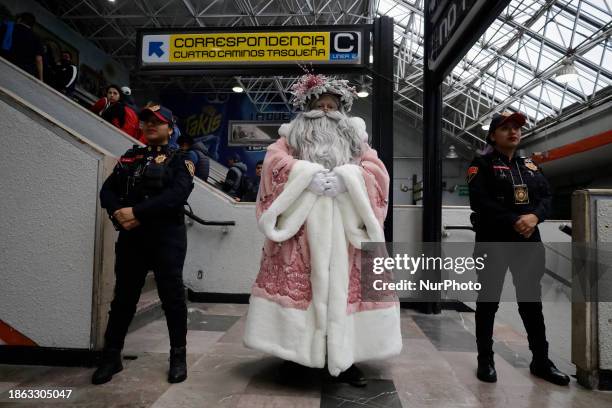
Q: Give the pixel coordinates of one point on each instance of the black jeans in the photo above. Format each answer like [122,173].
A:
[161,249]
[526,261]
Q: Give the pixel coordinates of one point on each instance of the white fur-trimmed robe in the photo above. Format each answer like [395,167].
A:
[332,226]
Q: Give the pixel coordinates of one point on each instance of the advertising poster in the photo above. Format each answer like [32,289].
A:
[227,124]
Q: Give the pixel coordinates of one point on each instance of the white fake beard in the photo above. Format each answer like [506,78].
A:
[324,138]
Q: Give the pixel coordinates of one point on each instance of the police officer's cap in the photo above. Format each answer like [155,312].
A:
[162,113]
[501,118]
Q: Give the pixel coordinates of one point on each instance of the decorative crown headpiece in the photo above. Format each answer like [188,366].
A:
[313,86]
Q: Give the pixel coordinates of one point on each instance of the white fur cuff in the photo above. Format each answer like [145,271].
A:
[360,127]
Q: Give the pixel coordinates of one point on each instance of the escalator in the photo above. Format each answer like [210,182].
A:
[221,258]
[74,116]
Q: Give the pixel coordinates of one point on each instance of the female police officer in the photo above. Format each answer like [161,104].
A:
[144,197]
[510,197]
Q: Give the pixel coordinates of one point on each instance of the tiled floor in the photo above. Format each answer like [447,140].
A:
[435,369]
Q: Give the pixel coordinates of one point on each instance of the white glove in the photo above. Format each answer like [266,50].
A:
[318,183]
[334,184]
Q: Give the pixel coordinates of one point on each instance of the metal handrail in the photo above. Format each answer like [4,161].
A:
[189,213]
[458,227]
[565,228]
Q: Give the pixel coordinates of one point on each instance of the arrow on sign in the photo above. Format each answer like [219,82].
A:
[155,48]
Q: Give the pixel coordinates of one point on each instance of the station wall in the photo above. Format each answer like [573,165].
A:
[49,223]
[408,153]
[569,131]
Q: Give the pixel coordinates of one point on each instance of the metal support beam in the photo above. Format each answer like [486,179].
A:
[382,108]
[432,158]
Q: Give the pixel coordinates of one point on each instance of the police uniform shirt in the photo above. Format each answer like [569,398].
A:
[503,189]
[154,180]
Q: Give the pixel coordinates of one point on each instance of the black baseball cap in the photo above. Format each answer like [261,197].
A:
[501,118]
[164,114]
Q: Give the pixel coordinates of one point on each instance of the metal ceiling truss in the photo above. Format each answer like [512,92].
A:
[512,66]
[268,94]
[469,90]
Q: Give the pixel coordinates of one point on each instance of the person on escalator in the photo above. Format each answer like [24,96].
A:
[251,195]
[21,46]
[236,181]
[128,98]
[196,152]
[112,108]
[66,73]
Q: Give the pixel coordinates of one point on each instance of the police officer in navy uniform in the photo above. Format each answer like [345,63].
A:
[144,197]
[510,197]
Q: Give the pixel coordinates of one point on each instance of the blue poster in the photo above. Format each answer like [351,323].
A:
[207,117]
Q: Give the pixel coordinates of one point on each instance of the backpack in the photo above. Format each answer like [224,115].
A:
[203,166]
[246,185]
[7,40]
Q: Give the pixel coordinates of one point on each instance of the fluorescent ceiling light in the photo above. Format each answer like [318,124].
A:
[452,154]
[567,73]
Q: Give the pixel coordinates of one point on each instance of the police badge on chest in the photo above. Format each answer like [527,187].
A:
[521,194]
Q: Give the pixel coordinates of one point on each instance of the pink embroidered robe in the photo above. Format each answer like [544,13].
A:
[310,310]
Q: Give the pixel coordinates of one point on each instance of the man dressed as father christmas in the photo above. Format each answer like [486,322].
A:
[323,193]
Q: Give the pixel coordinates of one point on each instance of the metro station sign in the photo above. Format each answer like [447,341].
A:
[455,27]
[331,46]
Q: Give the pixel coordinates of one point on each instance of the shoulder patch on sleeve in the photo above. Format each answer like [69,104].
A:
[471,173]
[190,167]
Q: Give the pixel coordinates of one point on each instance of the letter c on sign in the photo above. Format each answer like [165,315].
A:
[337,43]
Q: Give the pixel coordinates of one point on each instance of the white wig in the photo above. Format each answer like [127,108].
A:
[330,139]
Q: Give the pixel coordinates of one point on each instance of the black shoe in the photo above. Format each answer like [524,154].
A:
[353,376]
[110,365]
[547,371]
[486,371]
[290,372]
[178,365]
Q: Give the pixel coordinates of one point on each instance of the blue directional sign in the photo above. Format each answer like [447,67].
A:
[155,48]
